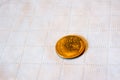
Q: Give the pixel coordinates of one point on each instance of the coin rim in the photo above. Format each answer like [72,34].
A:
[79,54]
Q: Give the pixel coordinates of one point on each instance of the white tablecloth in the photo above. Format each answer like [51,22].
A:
[29,30]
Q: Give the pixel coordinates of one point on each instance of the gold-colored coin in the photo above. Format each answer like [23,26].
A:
[71,46]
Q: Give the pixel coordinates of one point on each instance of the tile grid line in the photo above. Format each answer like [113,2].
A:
[8,35]
[27,33]
[32,30]
[66,64]
[42,58]
[69,25]
[20,19]
[84,65]
[19,64]
[5,45]
[40,64]
[53,46]
[107,78]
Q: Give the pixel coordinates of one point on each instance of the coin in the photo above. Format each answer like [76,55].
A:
[71,46]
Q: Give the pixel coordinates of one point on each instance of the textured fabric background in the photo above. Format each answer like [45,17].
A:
[29,30]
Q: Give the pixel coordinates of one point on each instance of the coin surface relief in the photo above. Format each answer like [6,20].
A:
[71,46]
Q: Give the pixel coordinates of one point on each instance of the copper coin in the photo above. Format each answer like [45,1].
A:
[71,46]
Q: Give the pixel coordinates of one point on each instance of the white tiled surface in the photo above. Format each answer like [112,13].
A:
[29,30]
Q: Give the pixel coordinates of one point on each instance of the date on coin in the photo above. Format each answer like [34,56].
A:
[71,46]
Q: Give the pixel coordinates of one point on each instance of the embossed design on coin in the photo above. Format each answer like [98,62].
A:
[71,46]
[72,43]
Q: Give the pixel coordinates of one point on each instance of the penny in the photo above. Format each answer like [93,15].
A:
[71,46]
